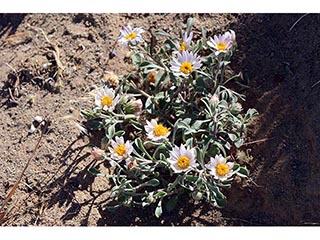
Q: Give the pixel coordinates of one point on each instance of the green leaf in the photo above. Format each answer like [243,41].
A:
[111,131]
[221,202]
[172,203]
[189,142]
[191,178]
[150,66]
[140,145]
[243,172]
[184,124]
[122,198]
[160,149]
[161,32]
[197,195]
[250,113]
[95,172]
[153,182]
[199,154]
[198,46]
[171,44]
[160,194]
[219,197]
[158,210]
[190,22]
[150,105]
[236,167]
[120,133]
[94,125]
[145,63]
[232,136]
[204,32]
[137,125]
[238,143]
[197,124]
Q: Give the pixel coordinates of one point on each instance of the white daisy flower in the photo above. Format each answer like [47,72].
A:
[221,43]
[182,159]
[119,149]
[185,63]
[186,41]
[220,168]
[156,131]
[129,35]
[105,99]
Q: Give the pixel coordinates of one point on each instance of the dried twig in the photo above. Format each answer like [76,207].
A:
[257,141]
[55,51]
[315,84]
[3,213]
[296,22]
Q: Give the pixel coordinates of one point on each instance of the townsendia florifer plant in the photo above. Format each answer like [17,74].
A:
[170,125]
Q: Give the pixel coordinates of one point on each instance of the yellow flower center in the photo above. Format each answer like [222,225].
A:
[131,36]
[221,46]
[182,47]
[160,130]
[120,150]
[222,169]
[106,101]
[183,162]
[186,67]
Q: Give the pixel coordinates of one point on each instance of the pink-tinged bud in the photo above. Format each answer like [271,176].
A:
[137,106]
[131,164]
[215,99]
[134,106]
[98,153]
[232,36]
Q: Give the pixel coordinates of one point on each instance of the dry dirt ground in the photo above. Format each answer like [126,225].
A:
[280,62]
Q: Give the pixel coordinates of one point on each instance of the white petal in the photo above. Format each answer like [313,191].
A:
[114,144]
[154,123]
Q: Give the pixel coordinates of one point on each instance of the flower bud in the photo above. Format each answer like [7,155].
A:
[215,99]
[134,106]
[111,78]
[236,108]
[98,153]
[151,78]
[150,198]
[232,36]
[131,164]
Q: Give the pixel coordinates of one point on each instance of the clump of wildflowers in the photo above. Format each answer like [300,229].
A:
[171,125]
